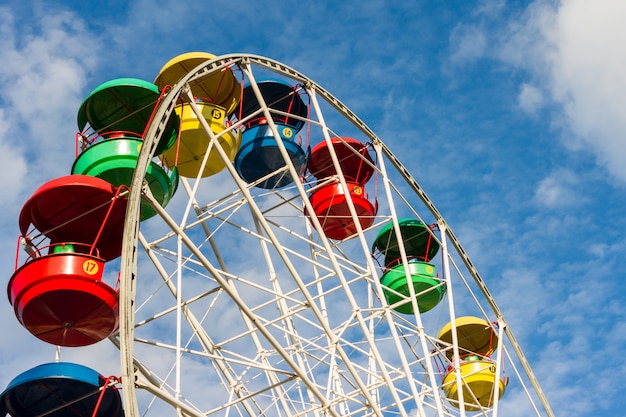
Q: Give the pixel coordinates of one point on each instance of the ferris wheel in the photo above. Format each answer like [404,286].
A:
[275,259]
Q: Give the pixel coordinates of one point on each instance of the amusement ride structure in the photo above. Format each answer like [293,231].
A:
[266,254]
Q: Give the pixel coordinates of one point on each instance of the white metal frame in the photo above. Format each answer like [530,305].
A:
[381,386]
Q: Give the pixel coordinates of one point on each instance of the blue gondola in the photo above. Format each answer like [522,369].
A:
[259,155]
[60,389]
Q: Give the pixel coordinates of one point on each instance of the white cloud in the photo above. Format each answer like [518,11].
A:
[530,98]
[467,43]
[576,51]
[490,7]
[44,75]
[13,164]
[558,190]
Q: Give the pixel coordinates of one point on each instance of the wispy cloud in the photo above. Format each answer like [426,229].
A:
[559,190]
[467,43]
[530,98]
[574,49]
[44,75]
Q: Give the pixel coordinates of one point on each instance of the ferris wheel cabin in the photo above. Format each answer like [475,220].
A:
[216,96]
[61,389]
[428,289]
[78,208]
[259,159]
[189,154]
[124,105]
[480,384]
[112,120]
[420,247]
[353,159]
[475,336]
[329,199]
[221,88]
[61,299]
[58,294]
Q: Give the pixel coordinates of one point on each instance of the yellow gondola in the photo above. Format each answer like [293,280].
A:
[475,335]
[478,381]
[189,152]
[219,88]
[217,95]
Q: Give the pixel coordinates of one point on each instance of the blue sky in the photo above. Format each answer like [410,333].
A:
[510,114]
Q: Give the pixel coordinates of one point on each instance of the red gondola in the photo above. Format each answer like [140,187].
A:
[61,299]
[330,200]
[331,207]
[78,208]
[58,294]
